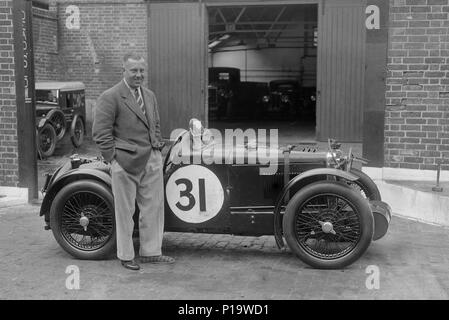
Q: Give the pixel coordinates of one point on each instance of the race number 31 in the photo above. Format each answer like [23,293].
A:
[194,194]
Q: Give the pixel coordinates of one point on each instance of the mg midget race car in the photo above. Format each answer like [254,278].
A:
[327,211]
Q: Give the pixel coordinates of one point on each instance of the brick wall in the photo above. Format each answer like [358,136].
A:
[92,54]
[417,112]
[108,30]
[9,168]
[45,39]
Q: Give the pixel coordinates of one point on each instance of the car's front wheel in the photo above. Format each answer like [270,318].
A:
[77,132]
[57,119]
[328,225]
[82,220]
[46,140]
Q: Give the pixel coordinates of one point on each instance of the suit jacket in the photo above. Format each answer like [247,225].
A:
[121,130]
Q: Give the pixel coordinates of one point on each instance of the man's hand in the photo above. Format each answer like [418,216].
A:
[160,146]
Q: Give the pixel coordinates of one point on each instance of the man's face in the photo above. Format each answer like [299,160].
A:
[133,72]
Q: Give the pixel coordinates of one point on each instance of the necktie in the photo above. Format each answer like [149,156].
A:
[139,100]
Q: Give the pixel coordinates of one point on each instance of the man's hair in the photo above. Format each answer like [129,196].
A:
[132,56]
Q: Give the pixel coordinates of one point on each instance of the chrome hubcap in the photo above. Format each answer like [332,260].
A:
[84,222]
[327,227]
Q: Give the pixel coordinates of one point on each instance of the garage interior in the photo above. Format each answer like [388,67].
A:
[262,63]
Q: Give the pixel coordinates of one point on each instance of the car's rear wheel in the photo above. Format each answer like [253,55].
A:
[39,155]
[46,140]
[82,220]
[57,119]
[328,225]
[77,131]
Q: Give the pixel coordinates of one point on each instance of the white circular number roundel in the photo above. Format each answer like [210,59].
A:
[194,194]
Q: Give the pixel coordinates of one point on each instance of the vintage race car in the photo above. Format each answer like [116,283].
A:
[327,211]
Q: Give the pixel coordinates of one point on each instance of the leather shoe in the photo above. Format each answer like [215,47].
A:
[157,259]
[130,264]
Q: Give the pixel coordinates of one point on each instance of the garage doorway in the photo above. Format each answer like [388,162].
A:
[262,68]
[259,39]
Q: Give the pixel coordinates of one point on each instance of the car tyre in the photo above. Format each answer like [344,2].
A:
[46,140]
[328,225]
[58,121]
[77,131]
[89,203]
[38,151]
[365,185]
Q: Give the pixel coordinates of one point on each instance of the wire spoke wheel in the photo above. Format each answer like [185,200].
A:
[59,123]
[77,132]
[364,185]
[343,226]
[82,219]
[358,188]
[328,225]
[94,208]
[46,140]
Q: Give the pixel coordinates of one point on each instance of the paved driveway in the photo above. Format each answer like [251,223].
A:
[412,263]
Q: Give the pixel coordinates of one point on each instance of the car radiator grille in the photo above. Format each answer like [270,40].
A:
[273,184]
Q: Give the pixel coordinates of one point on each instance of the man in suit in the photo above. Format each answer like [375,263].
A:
[126,129]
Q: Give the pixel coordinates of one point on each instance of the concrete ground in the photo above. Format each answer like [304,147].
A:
[411,260]
[424,186]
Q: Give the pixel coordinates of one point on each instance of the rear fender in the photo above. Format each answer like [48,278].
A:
[65,179]
[297,181]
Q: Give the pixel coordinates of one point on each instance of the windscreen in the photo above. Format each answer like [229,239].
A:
[47,96]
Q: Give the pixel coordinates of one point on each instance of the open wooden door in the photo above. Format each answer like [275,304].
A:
[341,70]
[177,62]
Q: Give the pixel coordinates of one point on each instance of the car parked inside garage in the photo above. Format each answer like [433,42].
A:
[223,83]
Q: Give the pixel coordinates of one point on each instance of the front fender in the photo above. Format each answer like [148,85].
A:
[68,177]
[42,122]
[296,181]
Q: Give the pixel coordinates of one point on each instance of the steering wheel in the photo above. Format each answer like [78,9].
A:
[196,130]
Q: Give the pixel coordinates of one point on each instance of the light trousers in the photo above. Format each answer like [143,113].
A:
[147,190]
